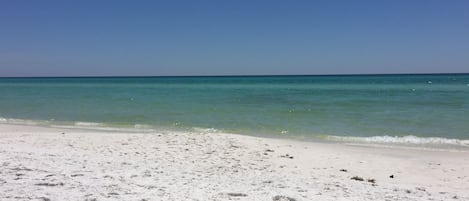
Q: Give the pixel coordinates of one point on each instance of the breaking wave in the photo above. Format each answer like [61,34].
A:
[410,139]
[403,140]
[79,125]
[205,130]
[88,124]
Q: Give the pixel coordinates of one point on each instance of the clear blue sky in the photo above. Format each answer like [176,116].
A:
[100,38]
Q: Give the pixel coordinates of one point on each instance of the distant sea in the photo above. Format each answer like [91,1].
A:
[409,109]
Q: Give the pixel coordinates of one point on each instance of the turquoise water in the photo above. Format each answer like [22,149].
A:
[292,106]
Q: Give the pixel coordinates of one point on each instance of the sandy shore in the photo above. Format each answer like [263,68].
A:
[39,163]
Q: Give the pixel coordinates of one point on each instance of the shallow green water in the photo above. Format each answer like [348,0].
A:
[360,106]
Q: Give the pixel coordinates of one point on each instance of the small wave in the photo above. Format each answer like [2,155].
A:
[114,127]
[23,121]
[143,127]
[410,139]
[205,130]
[79,125]
[90,124]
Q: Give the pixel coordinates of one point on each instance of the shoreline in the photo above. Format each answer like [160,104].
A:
[405,142]
[76,164]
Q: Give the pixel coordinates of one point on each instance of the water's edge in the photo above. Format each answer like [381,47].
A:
[384,141]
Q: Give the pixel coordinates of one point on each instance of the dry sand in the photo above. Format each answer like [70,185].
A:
[38,163]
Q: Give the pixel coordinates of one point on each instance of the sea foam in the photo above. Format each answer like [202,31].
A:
[410,139]
[23,121]
[88,124]
[205,130]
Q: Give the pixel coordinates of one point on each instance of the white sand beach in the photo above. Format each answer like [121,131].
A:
[41,163]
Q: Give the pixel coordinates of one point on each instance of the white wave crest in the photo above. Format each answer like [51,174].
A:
[142,126]
[22,121]
[87,124]
[205,130]
[410,139]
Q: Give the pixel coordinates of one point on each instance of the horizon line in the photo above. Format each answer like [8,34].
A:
[252,75]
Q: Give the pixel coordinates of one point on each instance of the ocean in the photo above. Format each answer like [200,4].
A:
[408,109]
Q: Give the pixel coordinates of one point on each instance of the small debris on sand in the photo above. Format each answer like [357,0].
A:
[49,184]
[343,170]
[420,189]
[44,199]
[357,178]
[282,198]
[371,180]
[287,156]
[21,169]
[392,176]
[237,194]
